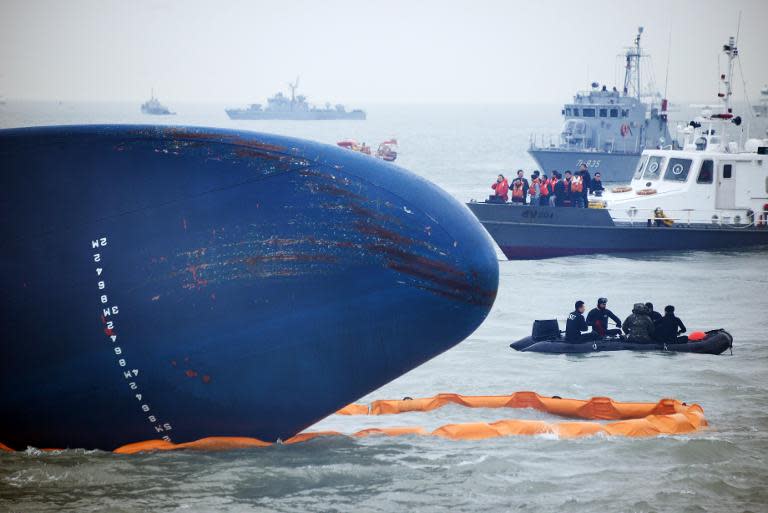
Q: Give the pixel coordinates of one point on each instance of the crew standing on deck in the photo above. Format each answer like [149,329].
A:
[521,183]
[535,189]
[576,327]
[564,194]
[598,319]
[586,181]
[554,183]
[544,196]
[500,190]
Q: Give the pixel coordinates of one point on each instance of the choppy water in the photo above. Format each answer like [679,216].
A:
[724,468]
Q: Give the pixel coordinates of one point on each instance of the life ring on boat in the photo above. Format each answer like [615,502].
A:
[625,129]
[622,188]
[646,192]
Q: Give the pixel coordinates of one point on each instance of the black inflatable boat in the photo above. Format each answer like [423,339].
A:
[547,338]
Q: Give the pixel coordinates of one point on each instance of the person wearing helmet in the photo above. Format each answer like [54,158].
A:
[598,319]
[639,326]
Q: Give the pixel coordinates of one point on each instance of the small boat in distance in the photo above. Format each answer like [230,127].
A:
[295,108]
[154,107]
[386,151]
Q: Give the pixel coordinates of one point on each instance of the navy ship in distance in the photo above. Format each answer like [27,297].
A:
[294,108]
[179,283]
[608,129]
[154,107]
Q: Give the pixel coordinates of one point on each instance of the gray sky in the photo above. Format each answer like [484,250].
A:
[365,52]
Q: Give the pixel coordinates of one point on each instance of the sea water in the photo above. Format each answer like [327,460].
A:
[463,148]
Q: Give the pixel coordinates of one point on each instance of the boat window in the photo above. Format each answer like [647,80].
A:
[603,113]
[589,113]
[568,112]
[624,113]
[705,173]
[677,170]
[614,113]
[576,112]
[653,169]
[727,170]
[639,171]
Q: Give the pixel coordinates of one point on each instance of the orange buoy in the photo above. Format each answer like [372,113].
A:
[646,192]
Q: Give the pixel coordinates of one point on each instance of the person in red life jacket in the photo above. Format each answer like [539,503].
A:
[577,191]
[535,189]
[523,183]
[598,317]
[596,185]
[500,190]
[544,196]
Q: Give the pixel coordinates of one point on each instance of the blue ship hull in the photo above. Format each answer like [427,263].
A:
[178,283]
[546,232]
[613,167]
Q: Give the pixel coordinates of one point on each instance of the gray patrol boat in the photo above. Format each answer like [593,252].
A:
[607,129]
[294,108]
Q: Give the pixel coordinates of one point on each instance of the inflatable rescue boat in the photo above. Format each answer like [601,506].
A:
[547,338]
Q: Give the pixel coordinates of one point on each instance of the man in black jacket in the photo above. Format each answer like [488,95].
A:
[576,326]
[598,319]
[653,314]
[669,327]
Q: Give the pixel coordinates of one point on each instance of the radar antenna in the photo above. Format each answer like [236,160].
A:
[293,87]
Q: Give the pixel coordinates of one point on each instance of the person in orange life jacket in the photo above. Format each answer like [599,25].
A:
[576,327]
[521,182]
[554,184]
[518,192]
[669,327]
[535,189]
[500,189]
[598,317]
[596,186]
[577,191]
[545,190]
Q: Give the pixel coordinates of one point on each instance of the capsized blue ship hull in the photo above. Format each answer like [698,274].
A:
[614,167]
[178,283]
[524,232]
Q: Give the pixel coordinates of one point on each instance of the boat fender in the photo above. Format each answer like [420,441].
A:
[622,188]
[646,192]
[697,335]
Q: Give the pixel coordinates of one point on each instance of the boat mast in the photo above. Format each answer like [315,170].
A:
[632,73]
[293,91]
[732,52]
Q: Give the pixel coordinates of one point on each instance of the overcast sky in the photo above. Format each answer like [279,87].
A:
[366,52]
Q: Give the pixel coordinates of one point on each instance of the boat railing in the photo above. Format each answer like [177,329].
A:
[689,217]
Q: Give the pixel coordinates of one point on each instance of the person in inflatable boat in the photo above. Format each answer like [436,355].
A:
[576,327]
[669,328]
[598,319]
[639,326]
